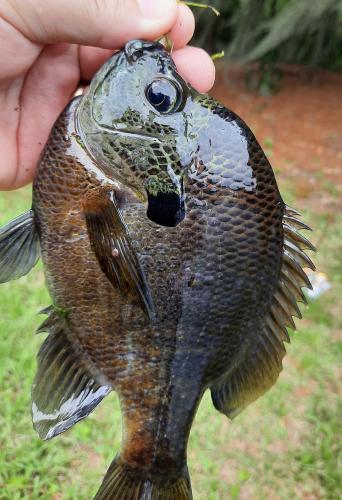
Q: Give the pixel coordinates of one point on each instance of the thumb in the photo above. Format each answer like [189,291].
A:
[100,23]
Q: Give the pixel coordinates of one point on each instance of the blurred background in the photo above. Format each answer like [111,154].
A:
[281,74]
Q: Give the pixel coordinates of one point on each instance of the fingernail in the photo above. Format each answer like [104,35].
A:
[156,9]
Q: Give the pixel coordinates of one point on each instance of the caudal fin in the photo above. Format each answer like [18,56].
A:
[123,483]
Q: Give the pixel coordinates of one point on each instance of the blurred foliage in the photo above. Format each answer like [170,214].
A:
[305,32]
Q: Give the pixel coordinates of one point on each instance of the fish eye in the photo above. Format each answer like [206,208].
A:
[163,95]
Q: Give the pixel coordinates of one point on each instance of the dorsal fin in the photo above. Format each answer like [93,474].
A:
[19,247]
[262,362]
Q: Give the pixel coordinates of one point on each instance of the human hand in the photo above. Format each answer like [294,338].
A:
[48,46]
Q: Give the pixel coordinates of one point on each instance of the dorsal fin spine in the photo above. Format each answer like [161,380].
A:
[262,363]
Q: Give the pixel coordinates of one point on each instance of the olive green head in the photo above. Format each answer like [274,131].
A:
[136,122]
[146,127]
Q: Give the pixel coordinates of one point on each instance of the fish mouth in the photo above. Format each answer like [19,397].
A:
[166,209]
[134,49]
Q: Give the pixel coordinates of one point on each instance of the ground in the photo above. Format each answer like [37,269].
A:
[286,445]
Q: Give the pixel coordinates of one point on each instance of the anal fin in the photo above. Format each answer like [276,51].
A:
[19,247]
[64,390]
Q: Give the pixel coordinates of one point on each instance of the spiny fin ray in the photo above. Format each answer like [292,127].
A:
[19,247]
[64,390]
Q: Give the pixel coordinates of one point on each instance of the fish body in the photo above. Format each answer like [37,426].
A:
[172,262]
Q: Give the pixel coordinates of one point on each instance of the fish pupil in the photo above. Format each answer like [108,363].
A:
[163,95]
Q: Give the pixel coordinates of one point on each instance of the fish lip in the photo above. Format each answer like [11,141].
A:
[134,49]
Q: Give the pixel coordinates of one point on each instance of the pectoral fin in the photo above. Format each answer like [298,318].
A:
[114,250]
[19,247]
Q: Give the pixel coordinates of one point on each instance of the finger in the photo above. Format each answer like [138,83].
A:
[48,88]
[99,23]
[194,64]
[91,59]
[196,67]
[184,27]
[9,123]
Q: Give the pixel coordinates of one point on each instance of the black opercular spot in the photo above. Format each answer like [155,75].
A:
[166,209]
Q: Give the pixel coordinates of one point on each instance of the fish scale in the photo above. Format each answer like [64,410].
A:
[172,263]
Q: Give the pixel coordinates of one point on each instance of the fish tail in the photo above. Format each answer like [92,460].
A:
[122,482]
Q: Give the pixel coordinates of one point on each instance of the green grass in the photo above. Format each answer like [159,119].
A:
[284,446]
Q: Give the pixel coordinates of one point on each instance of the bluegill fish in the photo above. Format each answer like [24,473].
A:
[172,262]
